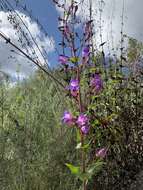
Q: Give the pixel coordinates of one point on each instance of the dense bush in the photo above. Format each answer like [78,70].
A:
[35,146]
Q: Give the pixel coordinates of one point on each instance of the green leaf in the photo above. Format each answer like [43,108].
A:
[78,136]
[86,146]
[74,59]
[93,69]
[112,116]
[91,170]
[96,122]
[83,176]
[74,169]
[94,59]
[95,168]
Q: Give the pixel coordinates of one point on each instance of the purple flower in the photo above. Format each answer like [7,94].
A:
[85,51]
[74,85]
[96,82]
[101,153]
[85,129]
[83,123]
[82,120]
[63,59]
[68,118]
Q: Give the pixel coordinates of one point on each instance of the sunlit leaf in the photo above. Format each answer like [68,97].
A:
[74,169]
[74,59]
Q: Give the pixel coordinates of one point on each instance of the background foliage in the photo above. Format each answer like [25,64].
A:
[35,146]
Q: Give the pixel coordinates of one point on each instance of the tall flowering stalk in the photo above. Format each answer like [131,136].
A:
[76,60]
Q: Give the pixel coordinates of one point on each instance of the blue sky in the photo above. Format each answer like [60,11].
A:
[47,15]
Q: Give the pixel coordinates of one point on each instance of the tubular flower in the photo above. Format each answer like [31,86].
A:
[96,82]
[74,85]
[101,153]
[85,51]
[68,118]
[85,129]
[82,120]
[63,59]
[83,123]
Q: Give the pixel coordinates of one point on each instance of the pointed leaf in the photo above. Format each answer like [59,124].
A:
[74,169]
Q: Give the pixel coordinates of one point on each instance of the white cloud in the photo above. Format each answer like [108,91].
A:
[10,62]
[112,11]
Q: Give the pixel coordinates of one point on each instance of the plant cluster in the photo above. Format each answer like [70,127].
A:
[99,101]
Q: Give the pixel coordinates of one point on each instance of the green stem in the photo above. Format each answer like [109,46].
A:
[82,136]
